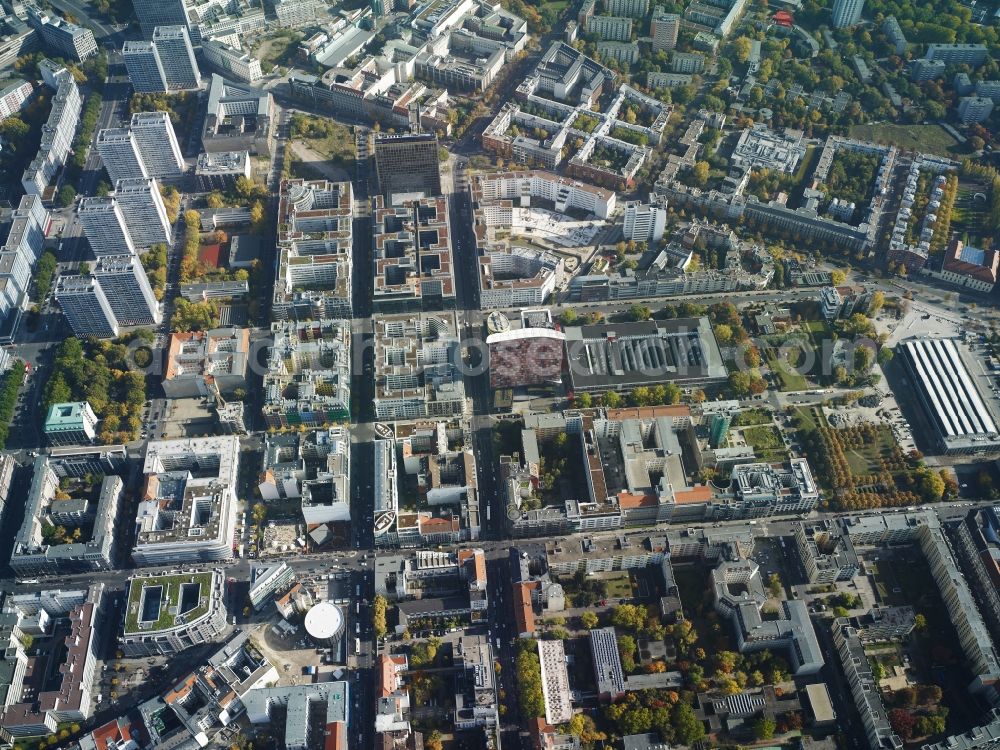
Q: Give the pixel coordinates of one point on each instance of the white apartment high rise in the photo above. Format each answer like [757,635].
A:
[120,154]
[144,68]
[157,144]
[153,13]
[145,215]
[57,134]
[847,12]
[13,95]
[126,288]
[663,28]
[644,223]
[85,307]
[974,108]
[105,226]
[173,47]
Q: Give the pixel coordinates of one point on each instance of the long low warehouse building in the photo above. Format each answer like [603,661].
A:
[623,356]
[961,410]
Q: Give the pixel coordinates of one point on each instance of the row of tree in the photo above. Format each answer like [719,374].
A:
[942,227]
[45,270]
[194,316]
[529,680]
[154,262]
[8,398]
[379,608]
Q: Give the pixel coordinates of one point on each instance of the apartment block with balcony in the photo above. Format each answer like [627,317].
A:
[69,523]
[973,635]
[314,251]
[206,363]
[417,367]
[413,261]
[54,686]
[977,545]
[826,551]
[308,380]
[312,466]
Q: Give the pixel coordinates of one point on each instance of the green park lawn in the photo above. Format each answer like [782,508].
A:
[931,139]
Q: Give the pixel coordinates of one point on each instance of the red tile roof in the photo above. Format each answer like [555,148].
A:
[627,500]
[698,494]
[648,412]
[987,272]
[336,736]
[112,732]
[524,613]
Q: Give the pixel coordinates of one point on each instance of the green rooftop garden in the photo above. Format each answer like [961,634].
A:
[170,602]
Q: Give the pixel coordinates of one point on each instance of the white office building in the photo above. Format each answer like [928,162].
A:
[644,223]
[268,580]
[64,39]
[189,510]
[105,227]
[173,48]
[126,288]
[564,192]
[86,308]
[145,213]
[144,68]
[232,61]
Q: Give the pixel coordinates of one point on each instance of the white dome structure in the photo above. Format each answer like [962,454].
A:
[325,622]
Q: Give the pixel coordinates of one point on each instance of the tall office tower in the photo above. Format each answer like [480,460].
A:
[126,288]
[85,307]
[104,225]
[153,13]
[407,164]
[145,215]
[144,68]
[663,28]
[847,12]
[644,223]
[173,47]
[157,145]
[120,154]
